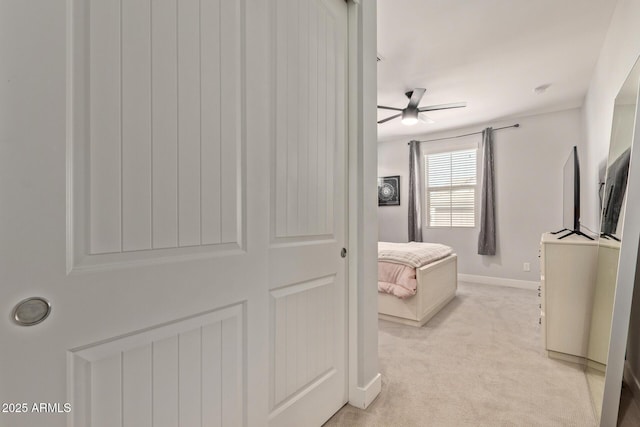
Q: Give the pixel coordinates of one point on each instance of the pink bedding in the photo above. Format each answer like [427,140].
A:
[397,264]
[396,279]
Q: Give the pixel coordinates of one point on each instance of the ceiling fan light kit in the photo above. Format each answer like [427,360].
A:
[411,113]
[409,116]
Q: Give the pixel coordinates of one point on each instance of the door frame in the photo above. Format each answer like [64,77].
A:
[364,379]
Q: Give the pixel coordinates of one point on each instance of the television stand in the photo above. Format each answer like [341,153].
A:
[577,232]
[559,231]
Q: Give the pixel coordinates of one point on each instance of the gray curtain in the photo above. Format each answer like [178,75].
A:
[487,237]
[415,213]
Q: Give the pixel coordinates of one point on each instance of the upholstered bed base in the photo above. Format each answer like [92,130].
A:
[437,284]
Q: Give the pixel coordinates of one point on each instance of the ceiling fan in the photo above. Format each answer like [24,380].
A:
[412,113]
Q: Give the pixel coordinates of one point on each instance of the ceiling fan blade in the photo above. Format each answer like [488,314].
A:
[389,108]
[389,118]
[425,119]
[416,96]
[443,106]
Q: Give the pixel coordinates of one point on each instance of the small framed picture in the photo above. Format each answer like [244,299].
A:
[389,191]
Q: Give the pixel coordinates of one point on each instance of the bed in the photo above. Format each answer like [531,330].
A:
[415,281]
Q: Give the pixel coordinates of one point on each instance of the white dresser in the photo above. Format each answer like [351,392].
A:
[567,282]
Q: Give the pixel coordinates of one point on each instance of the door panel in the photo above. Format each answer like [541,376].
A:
[303,350]
[163,165]
[309,115]
[182,373]
[308,228]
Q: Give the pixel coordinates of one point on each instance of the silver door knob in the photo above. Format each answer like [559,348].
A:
[31,311]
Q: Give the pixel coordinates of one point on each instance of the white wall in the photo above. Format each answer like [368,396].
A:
[364,375]
[618,55]
[619,52]
[528,172]
[393,159]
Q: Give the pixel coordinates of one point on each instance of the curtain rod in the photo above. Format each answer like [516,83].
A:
[517,125]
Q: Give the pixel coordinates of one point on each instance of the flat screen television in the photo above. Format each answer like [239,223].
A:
[571,192]
[571,196]
[614,192]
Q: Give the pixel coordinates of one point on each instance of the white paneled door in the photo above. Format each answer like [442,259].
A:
[173,184]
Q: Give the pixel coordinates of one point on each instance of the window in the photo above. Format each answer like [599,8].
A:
[451,188]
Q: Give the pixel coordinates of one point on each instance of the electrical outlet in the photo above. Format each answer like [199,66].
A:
[526,266]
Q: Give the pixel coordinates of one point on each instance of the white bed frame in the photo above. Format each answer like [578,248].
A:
[437,285]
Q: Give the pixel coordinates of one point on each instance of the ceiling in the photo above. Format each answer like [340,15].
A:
[489,53]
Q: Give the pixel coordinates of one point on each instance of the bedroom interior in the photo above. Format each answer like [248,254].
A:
[189,230]
[586,111]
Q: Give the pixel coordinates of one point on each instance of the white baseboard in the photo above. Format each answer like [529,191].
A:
[579,360]
[498,281]
[633,382]
[361,397]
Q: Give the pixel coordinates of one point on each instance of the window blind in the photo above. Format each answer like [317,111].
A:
[451,188]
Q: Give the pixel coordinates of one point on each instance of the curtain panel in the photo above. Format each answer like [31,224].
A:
[487,236]
[415,199]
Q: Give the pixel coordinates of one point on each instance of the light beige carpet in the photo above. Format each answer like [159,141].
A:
[479,362]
